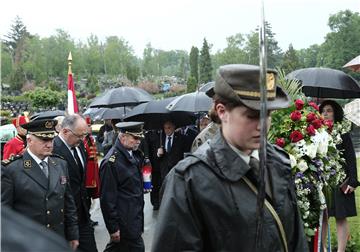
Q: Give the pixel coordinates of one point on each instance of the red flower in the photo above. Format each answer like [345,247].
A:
[280,142]
[310,130]
[329,124]
[313,104]
[311,117]
[296,136]
[317,123]
[295,116]
[299,104]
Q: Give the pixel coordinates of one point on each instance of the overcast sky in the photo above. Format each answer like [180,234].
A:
[180,24]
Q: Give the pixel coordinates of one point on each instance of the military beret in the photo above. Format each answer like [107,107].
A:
[132,128]
[44,129]
[241,83]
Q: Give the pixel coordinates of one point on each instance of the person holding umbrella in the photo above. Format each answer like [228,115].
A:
[209,198]
[342,203]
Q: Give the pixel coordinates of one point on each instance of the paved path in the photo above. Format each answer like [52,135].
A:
[102,235]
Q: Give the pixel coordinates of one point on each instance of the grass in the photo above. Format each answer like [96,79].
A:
[354,223]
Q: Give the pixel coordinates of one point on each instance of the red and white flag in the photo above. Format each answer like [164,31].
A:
[72,103]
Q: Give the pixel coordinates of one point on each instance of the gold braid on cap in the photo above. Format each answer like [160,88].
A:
[270,87]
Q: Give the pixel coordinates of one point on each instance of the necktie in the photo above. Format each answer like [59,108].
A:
[45,168]
[77,158]
[255,165]
[168,146]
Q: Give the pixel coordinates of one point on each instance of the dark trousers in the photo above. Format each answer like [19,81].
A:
[126,245]
[87,239]
[156,183]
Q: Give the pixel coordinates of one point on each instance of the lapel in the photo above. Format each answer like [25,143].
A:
[63,151]
[33,170]
[54,174]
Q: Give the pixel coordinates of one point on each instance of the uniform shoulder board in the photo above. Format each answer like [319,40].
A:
[58,156]
[112,158]
[11,159]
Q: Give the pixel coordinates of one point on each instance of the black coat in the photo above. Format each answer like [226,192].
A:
[25,189]
[77,178]
[207,206]
[342,205]
[170,159]
[121,196]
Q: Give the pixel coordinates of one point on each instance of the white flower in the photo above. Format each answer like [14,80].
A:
[292,161]
[302,165]
[311,149]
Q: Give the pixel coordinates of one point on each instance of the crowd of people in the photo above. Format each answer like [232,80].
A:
[204,177]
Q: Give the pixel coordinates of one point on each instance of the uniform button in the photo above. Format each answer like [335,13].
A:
[48,212]
[61,223]
[46,199]
[61,210]
[48,225]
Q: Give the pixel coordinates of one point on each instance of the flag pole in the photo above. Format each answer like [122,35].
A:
[72,103]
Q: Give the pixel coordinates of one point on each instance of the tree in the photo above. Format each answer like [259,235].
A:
[45,98]
[308,57]
[274,54]
[290,61]
[194,63]
[343,42]
[205,65]
[191,84]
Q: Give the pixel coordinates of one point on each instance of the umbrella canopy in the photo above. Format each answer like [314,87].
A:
[106,113]
[326,83]
[191,102]
[154,114]
[352,111]
[122,96]
[7,132]
[354,64]
[50,114]
[207,86]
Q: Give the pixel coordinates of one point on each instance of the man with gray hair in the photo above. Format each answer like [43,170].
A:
[36,184]
[69,145]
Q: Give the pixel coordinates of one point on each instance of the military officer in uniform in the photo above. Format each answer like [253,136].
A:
[36,184]
[121,192]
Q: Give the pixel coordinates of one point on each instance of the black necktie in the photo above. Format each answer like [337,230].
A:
[77,158]
[168,146]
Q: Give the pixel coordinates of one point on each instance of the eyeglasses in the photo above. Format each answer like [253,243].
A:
[78,136]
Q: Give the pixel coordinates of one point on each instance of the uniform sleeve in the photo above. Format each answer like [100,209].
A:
[70,215]
[178,225]
[9,150]
[350,159]
[7,187]
[108,196]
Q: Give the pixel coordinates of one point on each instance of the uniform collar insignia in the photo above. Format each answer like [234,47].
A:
[27,163]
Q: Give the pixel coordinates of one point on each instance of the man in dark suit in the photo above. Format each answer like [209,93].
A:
[171,149]
[37,185]
[69,145]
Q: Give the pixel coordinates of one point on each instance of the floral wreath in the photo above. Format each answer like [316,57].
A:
[316,164]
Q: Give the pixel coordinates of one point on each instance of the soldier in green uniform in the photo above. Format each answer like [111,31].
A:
[36,184]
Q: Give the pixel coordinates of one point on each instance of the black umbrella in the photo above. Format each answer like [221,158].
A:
[122,96]
[154,114]
[106,113]
[49,114]
[191,102]
[207,86]
[326,83]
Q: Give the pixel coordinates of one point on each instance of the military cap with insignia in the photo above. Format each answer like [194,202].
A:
[44,129]
[132,128]
[240,83]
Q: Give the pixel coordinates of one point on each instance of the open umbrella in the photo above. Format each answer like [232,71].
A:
[354,64]
[192,102]
[352,111]
[207,86]
[49,114]
[154,114]
[326,83]
[121,97]
[106,113]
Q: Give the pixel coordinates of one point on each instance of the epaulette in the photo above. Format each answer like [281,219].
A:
[112,158]
[11,159]
[56,155]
